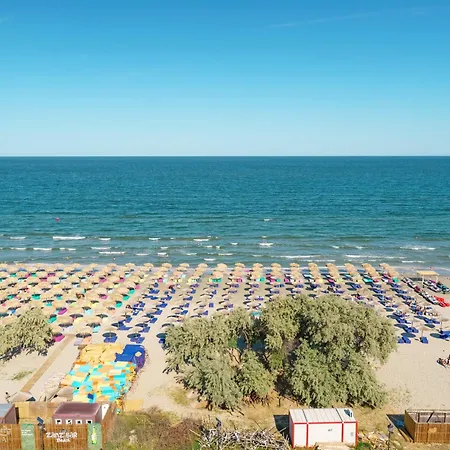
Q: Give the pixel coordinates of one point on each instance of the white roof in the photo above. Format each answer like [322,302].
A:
[322,415]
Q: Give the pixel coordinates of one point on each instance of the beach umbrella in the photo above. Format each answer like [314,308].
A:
[109,332]
[134,332]
[21,397]
[84,332]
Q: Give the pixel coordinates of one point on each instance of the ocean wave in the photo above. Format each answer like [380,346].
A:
[164,248]
[296,256]
[201,240]
[68,249]
[266,244]
[68,238]
[17,238]
[190,254]
[20,249]
[153,239]
[100,248]
[361,256]
[43,249]
[209,259]
[142,254]
[267,219]
[411,262]
[336,246]
[225,254]
[111,253]
[417,248]
[257,256]
[325,260]
[104,239]
[234,243]
[162,254]
[208,246]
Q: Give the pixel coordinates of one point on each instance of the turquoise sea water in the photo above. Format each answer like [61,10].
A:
[194,210]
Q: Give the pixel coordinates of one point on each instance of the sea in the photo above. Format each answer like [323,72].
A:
[227,209]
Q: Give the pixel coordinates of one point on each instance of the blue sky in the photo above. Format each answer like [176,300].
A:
[235,77]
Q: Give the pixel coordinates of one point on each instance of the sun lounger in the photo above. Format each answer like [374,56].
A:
[424,340]
[124,328]
[400,341]
[110,340]
[406,340]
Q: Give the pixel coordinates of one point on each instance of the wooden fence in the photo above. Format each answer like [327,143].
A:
[428,426]
[28,436]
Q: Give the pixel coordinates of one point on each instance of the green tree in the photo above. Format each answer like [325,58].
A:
[29,332]
[213,379]
[253,379]
[317,351]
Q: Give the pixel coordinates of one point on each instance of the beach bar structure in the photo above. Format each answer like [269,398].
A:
[78,413]
[7,414]
[422,274]
[309,427]
[428,426]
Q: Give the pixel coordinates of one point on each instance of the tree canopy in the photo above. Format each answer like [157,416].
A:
[29,332]
[318,352]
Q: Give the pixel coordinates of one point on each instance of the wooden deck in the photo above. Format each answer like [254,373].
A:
[48,362]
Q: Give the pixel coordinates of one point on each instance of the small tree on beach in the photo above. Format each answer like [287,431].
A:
[30,332]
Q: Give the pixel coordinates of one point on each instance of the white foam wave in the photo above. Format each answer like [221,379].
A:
[208,246]
[104,239]
[100,248]
[209,259]
[417,248]
[68,238]
[153,239]
[68,249]
[234,243]
[42,249]
[257,256]
[267,220]
[190,254]
[142,254]
[17,238]
[225,254]
[111,253]
[201,240]
[411,262]
[164,248]
[162,254]
[20,249]
[266,244]
[335,246]
[297,256]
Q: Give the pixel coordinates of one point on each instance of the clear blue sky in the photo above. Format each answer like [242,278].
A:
[216,77]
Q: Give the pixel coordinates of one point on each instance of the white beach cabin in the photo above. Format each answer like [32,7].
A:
[308,427]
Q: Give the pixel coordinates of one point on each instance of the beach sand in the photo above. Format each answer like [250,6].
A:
[411,373]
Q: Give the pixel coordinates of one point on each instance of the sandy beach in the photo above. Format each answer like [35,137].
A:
[167,295]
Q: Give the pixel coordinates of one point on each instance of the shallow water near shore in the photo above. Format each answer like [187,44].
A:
[212,210]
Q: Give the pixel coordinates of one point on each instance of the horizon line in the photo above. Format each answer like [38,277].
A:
[228,156]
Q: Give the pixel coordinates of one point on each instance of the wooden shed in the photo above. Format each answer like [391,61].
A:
[7,414]
[428,426]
